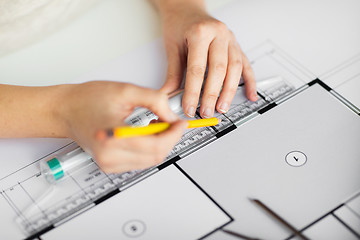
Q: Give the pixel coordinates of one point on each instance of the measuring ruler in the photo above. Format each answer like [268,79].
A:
[95,186]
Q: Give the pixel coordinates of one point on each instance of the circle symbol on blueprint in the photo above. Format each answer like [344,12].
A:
[134,228]
[296,158]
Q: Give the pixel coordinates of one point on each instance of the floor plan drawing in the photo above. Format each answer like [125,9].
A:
[292,154]
[43,210]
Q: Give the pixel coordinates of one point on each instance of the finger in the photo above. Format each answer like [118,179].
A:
[175,71]
[170,137]
[141,152]
[196,66]
[218,60]
[249,79]
[119,160]
[232,79]
[156,101]
[157,143]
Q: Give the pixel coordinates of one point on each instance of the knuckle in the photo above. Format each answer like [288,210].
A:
[198,29]
[197,70]
[220,26]
[236,63]
[220,68]
[211,96]
[202,29]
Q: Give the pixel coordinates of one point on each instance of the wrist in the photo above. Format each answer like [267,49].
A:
[59,106]
[168,8]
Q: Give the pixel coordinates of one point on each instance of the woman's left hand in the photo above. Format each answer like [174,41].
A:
[194,41]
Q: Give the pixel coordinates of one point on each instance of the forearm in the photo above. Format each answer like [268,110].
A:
[32,111]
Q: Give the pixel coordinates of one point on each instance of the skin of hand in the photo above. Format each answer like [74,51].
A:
[194,40]
[83,111]
[105,105]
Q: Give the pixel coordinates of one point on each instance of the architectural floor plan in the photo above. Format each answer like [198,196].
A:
[294,150]
[213,186]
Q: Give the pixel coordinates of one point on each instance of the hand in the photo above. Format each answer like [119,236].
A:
[195,40]
[96,106]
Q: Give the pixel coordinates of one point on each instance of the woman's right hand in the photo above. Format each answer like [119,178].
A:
[96,106]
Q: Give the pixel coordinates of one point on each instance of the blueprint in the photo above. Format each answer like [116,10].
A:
[192,195]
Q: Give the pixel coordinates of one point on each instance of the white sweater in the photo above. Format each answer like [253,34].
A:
[23,22]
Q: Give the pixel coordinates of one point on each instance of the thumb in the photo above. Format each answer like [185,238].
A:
[155,101]
[172,135]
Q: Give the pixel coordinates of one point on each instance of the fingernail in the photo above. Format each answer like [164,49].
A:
[224,107]
[207,113]
[191,111]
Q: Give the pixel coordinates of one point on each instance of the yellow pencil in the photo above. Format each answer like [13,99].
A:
[153,128]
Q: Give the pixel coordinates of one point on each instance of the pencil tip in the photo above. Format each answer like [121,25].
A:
[110,133]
